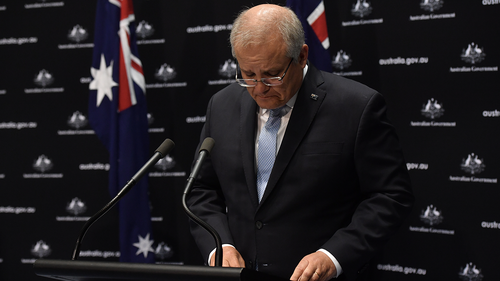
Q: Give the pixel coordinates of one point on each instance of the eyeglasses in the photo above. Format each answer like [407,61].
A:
[272,81]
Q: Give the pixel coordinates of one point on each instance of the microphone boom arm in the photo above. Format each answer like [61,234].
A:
[160,152]
[205,149]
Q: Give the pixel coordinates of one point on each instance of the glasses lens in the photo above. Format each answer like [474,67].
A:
[274,81]
[247,82]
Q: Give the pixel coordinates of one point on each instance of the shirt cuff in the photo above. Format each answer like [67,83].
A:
[334,260]
[213,251]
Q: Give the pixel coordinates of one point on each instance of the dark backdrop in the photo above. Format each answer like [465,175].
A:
[435,61]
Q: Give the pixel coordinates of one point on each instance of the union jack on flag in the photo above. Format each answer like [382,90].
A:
[312,15]
[118,115]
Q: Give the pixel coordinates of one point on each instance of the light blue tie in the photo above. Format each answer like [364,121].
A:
[266,153]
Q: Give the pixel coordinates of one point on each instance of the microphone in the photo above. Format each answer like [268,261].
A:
[204,151]
[160,152]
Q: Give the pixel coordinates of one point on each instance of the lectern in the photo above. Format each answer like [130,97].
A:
[70,270]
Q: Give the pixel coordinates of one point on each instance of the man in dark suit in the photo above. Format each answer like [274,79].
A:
[337,188]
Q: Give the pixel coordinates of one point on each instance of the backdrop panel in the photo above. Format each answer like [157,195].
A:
[435,62]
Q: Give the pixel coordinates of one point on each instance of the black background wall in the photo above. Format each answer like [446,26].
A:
[435,61]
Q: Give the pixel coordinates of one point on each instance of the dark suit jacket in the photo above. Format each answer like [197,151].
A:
[339,181]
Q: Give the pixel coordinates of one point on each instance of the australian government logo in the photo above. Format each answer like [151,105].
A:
[165,73]
[431,216]
[144,31]
[341,62]
[151,128]
[164,168]
[473,165]
[163,252]
[472,55]
[77,35]
[470,273]
[432,6]
[75,208]
[432,109]
[77,121]
[227,73]
[42,165]
[39,250]
[361,9]
[43,79]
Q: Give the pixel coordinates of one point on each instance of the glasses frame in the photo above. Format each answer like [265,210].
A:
[243,82]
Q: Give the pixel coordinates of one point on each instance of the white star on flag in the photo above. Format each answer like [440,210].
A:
[103,80]
[144,245]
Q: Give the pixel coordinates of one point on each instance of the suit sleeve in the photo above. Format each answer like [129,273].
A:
[385,189]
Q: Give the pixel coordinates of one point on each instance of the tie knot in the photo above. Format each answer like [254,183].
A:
[279,112]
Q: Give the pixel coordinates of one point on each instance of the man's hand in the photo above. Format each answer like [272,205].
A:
[230,258]
[314,267]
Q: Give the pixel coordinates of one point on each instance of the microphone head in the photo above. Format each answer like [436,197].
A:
[165,147]
[207,145]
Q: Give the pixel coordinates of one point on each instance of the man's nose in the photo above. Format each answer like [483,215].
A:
[261,87]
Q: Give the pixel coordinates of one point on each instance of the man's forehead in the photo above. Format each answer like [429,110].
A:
[262,68]
[264,56]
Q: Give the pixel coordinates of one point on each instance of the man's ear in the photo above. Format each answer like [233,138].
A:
[304,52]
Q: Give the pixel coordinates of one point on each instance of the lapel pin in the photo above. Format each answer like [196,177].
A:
[314,97]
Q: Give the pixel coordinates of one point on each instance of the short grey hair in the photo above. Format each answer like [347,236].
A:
[287,24]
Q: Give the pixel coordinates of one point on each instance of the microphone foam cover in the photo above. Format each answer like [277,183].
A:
[207,145]
[165,147]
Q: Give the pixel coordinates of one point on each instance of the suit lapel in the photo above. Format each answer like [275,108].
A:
[309,99]
[248,124]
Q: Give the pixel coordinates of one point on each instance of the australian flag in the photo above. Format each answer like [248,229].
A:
[312,15]
[118,115]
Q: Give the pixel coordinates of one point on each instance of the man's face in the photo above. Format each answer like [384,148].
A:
[269,60]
